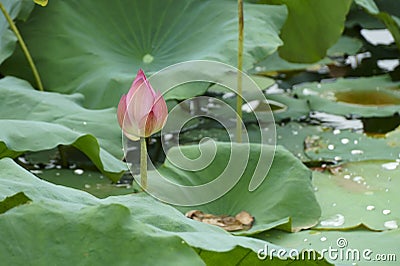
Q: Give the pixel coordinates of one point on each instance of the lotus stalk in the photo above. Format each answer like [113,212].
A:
[23,47]
[239,100]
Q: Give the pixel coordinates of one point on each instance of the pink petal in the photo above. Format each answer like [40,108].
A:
[121,111]
[140,104]
[131,137]
[131,129]
[128,127]
[139,80]
[149,122]
[148,85]
[160,111]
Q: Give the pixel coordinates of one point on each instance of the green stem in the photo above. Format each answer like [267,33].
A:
[143,163]
[239,100]
[23,47]
[63,157]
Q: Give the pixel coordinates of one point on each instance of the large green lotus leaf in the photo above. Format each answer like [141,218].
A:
[293,109]
[13,201]
[345,45]
[285,194]
[78,228]
[316,143]
[393,137]
[358,17]
[32,121]
[292,136]
[77,50]
[366,97]
[347,243]
[261,82]
[284,109]
[359,193]
[18,10]
[90,181]
[304,27]
[226,259]
[350,146]
[186,91]
[94,238]
[275,63]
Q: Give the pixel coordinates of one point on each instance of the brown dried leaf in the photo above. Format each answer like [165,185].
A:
[242,221]
[245,218]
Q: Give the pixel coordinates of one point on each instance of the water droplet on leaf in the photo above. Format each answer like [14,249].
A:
[357,152]
[390,166]
[391,224]
[370,208]
[336,220]
[78,171]
[345,141]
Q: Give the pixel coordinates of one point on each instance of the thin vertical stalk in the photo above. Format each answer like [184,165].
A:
[23,47]
[143,163]
[63,156]
[239,100]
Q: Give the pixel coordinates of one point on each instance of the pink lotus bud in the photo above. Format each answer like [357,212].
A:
[142,112]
